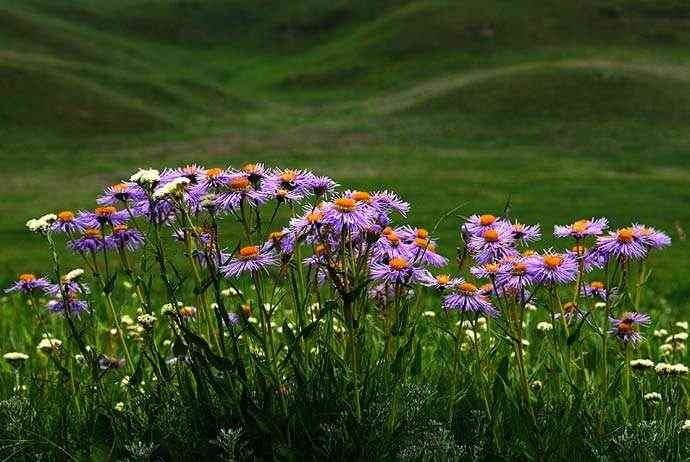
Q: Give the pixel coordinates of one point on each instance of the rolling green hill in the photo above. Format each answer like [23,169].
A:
[573,109]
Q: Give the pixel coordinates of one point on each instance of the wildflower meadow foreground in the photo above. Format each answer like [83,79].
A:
[268,314]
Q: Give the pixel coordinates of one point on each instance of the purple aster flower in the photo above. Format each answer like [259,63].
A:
[73,305]
[582,228]
[347,213]
[594,289]
[121,193]
[591,258]
[570,310]
[492,244]
[650,237]
[231,319]
[622,243]
[397,271]
[211,181]
[468,299]
[192,172]
[552,268]
[281,241]
[627,327]
[66,223]
[525,233]
[424,251]
[125,238]
[389,246]
[514,275]
[255,172]
[322,185]
[477,224]
[240,187]
[385,201]
[102,216]
[308,224]
[298,182]
[90,241]
[72,287]
[250,260]
[439,282]
[487,270]
[28,283]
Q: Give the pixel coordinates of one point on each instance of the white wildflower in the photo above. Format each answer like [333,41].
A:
[544,326]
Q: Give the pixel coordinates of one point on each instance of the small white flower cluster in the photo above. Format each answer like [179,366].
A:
[686,426]
[642,364]
[49,344]
[175,188]
[429,314]
[230,292]
[37,225]
[73,275]
[15,358]
[146,177]
[652,397]
[544,326]
[146,321]
[671,369]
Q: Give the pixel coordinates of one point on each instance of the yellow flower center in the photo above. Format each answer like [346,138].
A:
[214,172]
[596,285]
[443,279]
[345,204]
[486,220]
[528,253]
[249,168]
[491,267]
[519,269]
[276,235]
[425,244]
[282,192]
[580,226]
[119,229]
[570,307]
[467,288]
[398,264]
[553,261]
[239,184]
[579,250]
[249,251]
[120,187]
[66,215]
[314,217]
[361,196]
[491,235]
[625,235]
[320,249]
[105,211]
[288,176]
[93,233]
[28,277]
[422,233]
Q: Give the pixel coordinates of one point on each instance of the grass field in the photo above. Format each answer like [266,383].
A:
[572,111]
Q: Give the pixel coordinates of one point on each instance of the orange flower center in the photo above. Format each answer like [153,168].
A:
[320,249]
[393,238]
[580,226]
[491,267]
[288,176]
[625,235]
[249,251]
[425,244]
[282,192]
[345,204]
[66,216]
[276,235]
[239,184]
[490,235]
[553,261]
[596,285]
[214,172]
[625,327]
[361,196]
[486,220]
[28,277]
[249,168]
[570,307]
[105,211]
[467,288]
[528,253]
[519,268]
[314,217]
[579,249]
[422,233]
[443,279]
[398,263]
[93,233]
[120,187]
[387,230]
[119,228]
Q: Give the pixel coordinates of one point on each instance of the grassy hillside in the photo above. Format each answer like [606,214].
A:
[573,110]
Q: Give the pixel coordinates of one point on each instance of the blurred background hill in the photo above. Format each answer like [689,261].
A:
[573,109]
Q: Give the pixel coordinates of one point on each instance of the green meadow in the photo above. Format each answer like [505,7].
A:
[566,110]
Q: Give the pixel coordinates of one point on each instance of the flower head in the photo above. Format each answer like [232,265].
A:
[627,327]
[624,242]
[582,228]
[28,284]
[250,259]
[552,268]
[468,298]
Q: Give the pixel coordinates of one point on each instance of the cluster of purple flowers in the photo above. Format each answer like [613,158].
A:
[30,285]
